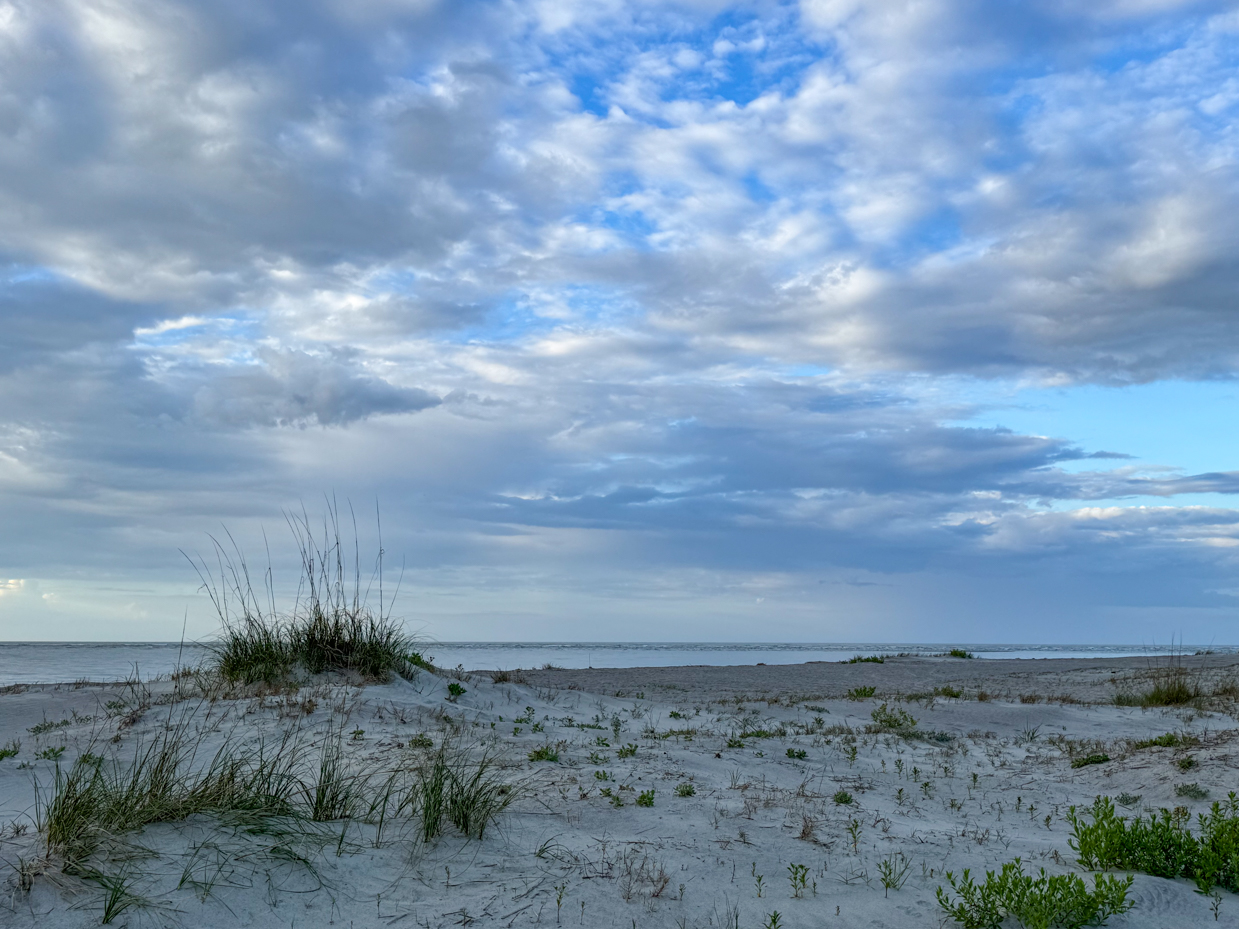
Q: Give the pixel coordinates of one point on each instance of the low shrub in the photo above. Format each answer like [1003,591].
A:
[960,653]
[1162,844]
[842,797]
[862,693]
[1046,900]
[865,659]
[544,753]
[685,790]
[888,720]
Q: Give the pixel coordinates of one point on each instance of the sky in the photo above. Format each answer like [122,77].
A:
[700,321]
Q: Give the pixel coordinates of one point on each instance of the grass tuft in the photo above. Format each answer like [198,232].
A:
[331,627]
[1047,900]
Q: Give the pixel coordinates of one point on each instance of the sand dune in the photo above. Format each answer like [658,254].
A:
[766,789]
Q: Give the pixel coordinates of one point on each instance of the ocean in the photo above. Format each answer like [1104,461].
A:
[48,662]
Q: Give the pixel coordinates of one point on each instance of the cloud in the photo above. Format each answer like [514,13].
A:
[615,297]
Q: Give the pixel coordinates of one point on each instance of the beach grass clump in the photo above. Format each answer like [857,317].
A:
[332,625]
[861,693]
[1172,685]
[960,653]
[1166,740]
[451,787]
[1163,843]
[864,659]
[1045,900]
[98,799]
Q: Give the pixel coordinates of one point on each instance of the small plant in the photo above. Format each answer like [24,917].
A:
[864,659]
[598,758]
[842,798]
[10,749]
[49,726]
[1167,740]
[685,790]
[626,751]
[1126,799]
[1028,735]
[946,690]
[544,753]
[888,720]
[773,920]
[51,754]
[358,734]
[854,834]
[850,753]
[893,872]
[1187,763]
[645,798]
[798,874]
[676,714]
[602,776]
[455,691]
[1095,758]
[1190,791]
[1058,900]
[616,800]
[862,693]
[799,754]
[734,742]
[960,653]
[421,740]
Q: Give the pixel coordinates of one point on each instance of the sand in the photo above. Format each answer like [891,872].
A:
[995,784]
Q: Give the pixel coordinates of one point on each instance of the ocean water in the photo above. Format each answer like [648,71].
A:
[31,662]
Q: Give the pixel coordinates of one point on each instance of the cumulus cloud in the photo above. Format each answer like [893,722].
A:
[604,290]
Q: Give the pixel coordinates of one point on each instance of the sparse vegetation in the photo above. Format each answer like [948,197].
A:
[1095,758]
[897,720]
[864,659]
[960,653]
[685,790]
[862,693]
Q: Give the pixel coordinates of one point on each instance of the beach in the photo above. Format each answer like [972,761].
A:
[829,794]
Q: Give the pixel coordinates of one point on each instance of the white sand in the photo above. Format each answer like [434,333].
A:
[974,802]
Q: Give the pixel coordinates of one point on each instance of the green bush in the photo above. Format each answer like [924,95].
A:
[960,653]
[842,797]
[896,720]
[645,798]
[1163,844]
[862,693]
[1062,900]
[544,753]
[799,754]
[685,790]
[864,659]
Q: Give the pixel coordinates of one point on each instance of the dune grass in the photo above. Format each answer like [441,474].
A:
[332,625]
[95,802]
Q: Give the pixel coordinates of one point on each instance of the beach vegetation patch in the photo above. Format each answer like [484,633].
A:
[864,659]
[332,625]
[1166,740]
[960,653]
[10,749]
[1097,758]
[862,693]
[1162,844]
[897,720]
[1045,900]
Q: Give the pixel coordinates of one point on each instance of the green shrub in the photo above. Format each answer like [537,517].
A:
[842,797]
[1190,791]
[733,742]
[946,690]
[544,753]
[10,749]
[685,790]
[1046,900]
[1095,758]
[864,659]
[799,754]
[862,693]
[626,751]
[888,720]
[455,691]
[645,798]
[1162,844]
[960,653]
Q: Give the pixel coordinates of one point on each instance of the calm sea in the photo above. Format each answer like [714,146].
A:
[30,662]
